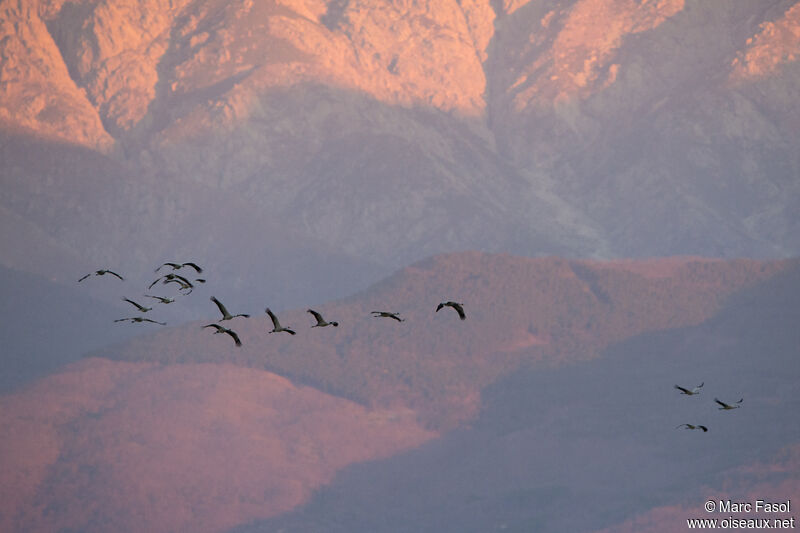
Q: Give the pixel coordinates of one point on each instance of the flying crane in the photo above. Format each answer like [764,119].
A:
[276,325]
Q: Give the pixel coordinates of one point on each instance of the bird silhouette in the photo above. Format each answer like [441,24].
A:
[387,314]
[692,426]
[455,305]
[178,266]
[162,299]
[225,314]
[728,407]
[141,308]
[321,322]
[688,392]
[173,278]
[140,319]
[227,331]
[276,325]
[101,272]
[184,288]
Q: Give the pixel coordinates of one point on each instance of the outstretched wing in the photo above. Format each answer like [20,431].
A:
[234,335]
[184,281]
[139,307]
[161,299]
[318,316]
[275,323]
[455,305]
[220,307]
[685,391]
[387,314]
[84,277]
[114,274]
[723,404]
[175,266]
[194,266]
[183,286]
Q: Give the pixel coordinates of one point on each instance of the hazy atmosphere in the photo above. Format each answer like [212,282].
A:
[552,250]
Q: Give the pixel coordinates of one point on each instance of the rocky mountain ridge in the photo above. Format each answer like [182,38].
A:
[568,127]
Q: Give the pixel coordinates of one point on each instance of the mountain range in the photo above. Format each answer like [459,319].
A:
[353,138]
[609,187]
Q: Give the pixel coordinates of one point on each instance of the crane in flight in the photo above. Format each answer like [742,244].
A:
[455,305]
[140,307]
[691,392]
[225,314]
[174,278]
[162,299]
[728,407]
[387,314]
[139,319]
[227,331]
[178,266]
[276,325]
[101,272]
[692,426]
[321,322]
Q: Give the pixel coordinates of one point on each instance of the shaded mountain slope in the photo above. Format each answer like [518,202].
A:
[602,433]
[46,325]
[68,210]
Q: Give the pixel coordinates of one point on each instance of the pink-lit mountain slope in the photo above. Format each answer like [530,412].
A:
[138,446]
[193,433]
[556,360]
[385,132]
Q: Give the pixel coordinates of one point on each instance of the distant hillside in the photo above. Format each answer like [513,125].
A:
[595,446]
[46,325]
[105,446]
[520,313]
[559,380]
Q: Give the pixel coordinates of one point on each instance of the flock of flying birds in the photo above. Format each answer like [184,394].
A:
[185,286]
[696,390]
